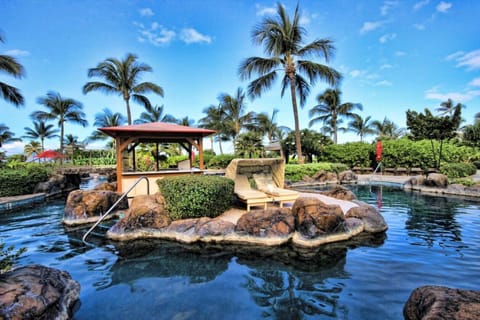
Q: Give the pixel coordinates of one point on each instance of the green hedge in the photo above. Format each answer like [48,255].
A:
[220,161]
[195,196]
[352,154]
[458,170]
[23,179]
[295,172]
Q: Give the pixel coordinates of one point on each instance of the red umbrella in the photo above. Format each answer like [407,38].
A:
[49,154]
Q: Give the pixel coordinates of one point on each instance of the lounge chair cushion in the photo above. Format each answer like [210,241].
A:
[266,184]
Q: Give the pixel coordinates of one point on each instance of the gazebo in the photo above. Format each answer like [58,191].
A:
[128,137]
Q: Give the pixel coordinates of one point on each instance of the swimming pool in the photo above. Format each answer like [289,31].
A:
[430,240]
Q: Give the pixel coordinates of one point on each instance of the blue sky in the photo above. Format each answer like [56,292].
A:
[394,55]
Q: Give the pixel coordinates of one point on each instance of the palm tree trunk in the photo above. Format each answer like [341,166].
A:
[220,146]
[297,123]
[62,130]
[129,113]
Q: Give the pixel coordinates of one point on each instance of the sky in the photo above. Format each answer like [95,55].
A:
[394,55]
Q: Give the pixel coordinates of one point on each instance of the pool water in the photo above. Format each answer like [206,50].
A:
[430,240]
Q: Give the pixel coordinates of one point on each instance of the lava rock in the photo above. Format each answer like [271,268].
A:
[275,222]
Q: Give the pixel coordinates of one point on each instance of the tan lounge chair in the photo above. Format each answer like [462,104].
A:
[249,196]
[266,184]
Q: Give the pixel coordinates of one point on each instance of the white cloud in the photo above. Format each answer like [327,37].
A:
[419,26]
[475,82]
[420,4]
[387,37]
[470,60]
[190,35]
[146,12]
[156,34]
[433,94]
[17,53]
[13,147]
[356,73]
[386,66]
[370,26]
[400,53]
[443,7]
[383,83]
[387,6]
[265,11]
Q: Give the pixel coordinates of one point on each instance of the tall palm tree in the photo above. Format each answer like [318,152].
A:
[154,114]
[34,147]
[387,129]
[330,110]
[106,118]
[72,144]
[185,121]
[362,127]
[214,120]
[249,144]
[282,39]
[266,125]
[6,135]
[61,109]
[122,77]
[235,115]
[447,107]
[41,131]
[11,67]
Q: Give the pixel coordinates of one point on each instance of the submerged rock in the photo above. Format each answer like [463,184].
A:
[37,292]
[436,302]
[373,221]
[342,193]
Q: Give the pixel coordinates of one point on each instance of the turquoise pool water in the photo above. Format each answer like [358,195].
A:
[431,240]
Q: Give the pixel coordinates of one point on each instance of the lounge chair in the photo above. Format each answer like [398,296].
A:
[249,196]
[266,184]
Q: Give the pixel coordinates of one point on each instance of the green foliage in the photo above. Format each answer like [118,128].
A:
[194,196]
[468,182]
[23,178]
[312,144]
[220,161]
[353,154]
[295,172]
[8,257]
[458,170]
[471,135]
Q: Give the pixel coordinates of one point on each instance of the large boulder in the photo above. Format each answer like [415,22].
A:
[37,292]
[146,211]
[58,183]
[435,302]
[84,204]
[416,181]
[325,176]
[314,218]
[110,186]
[437,180]
[342,193]
[214,227]
[347,176]
[275,222]
[372,219]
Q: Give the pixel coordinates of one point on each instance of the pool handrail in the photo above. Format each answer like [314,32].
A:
[84,238]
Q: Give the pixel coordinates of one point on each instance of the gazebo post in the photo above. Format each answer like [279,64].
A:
[200,153]
[118,144]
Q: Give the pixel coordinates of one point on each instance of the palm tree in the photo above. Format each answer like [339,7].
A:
[6,135]
[214,120]
[154,114]
[249,144]
[283,43]
[185,121]
[362,127]
[11,67]
[235,115]
[61,109]
[72,145]
[106,119]
[447,107]
[387,129]
[31,148]
[122,77]
[266,125]
[330,110]
[41,131]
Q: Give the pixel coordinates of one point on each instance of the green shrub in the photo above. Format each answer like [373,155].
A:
[23,178]
[468,182]
[194,196]
[295,172]
[353,154]
[220,162]
[458,170]
[476,163]
[8,257]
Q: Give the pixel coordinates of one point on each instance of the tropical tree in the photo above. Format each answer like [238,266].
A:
[10,66]
[41,131]
[283,41]
[73,145]
[214,120]
[6,135]
[122,77]
[447,108]
[154,114]
[267,125]
[330,111]
[185,121]
[249,144]
[61,109]
[106,118]
[235,115]
[34,147]
[312,144]
[387,129]
[362,127]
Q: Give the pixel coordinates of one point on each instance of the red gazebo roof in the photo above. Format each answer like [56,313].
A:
[157,129]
